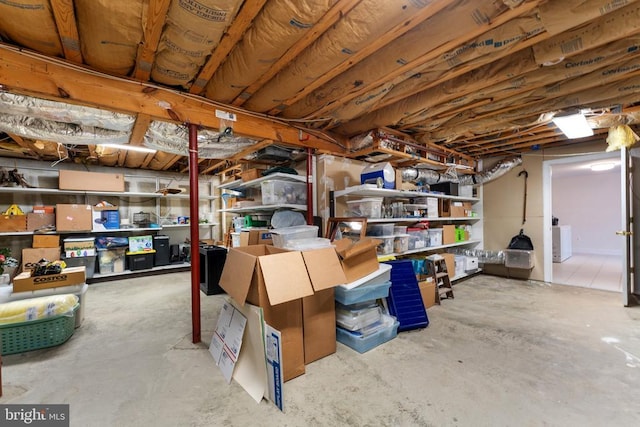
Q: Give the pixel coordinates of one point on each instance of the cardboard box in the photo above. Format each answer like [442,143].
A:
[264,276]
[90,181]
[319,310]
[105,218]
[459,209]
[73,218]
[428,292]
[36,221]
[46,241]
[255,237]
[251,174]
[450,262]
[23,282]
[34,255]
[448,234]
[13,223]
[277,280]
[359,258]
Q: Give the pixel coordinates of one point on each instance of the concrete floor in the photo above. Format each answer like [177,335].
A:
[502,353]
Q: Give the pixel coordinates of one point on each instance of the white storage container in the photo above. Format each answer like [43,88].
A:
[399,229]
[369,208]
[283,192]
[281,236]
[355,319]
[470,263]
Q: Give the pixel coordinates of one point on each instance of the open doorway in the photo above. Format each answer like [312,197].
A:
[581,249]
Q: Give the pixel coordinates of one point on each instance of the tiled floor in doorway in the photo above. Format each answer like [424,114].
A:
[590,271]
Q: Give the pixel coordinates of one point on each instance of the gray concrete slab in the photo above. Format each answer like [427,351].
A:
[502,353]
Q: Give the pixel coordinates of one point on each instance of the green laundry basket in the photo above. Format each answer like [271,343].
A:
[36,334]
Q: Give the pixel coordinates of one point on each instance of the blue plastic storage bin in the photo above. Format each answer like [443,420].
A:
[362,343]
[362,293]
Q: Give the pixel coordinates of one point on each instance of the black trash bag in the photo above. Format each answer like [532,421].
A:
[521,241]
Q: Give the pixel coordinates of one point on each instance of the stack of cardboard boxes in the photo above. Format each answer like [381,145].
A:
[295,290]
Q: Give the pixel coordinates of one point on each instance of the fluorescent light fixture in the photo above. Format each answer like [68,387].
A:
[573,126]
[129,147]
[603,166]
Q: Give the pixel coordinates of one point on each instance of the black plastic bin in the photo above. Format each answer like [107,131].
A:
[212,260]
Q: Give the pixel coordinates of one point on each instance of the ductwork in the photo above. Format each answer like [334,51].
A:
[428,176]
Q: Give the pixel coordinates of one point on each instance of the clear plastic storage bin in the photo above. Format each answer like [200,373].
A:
[111,260]
[282,236]
[386,247]
[363,343]
[435,236]
[379,229]
[283,192]
[401,243]
[363,293]
[370,207]
[354,319]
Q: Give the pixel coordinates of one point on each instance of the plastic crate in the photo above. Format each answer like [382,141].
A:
[363,343]
[37,334]
[283,192]
[281,236]
[111,260]
[370,207]
[362,293]
[89,262]
[140,260]
[379,229]
[386,247]
[355,318]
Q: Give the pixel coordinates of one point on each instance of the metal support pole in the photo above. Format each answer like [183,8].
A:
[195,232]
[309,187]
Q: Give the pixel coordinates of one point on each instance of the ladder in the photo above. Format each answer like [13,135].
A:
[437,268]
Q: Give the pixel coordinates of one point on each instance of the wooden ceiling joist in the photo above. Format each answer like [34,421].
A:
[35,75]
[426,12]
[139,130]
[250,8]
[338,10]
[156,15]
[22,143]
[65,18]
[403,72]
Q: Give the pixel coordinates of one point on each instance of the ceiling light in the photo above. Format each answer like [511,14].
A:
[129,147]
[573,126]
[604,166]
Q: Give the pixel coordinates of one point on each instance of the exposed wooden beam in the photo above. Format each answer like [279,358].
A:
[405,71]
[22,143]
[339,9]
[426,12]
[145,163]
[172,160]
[242,21]
[65,18]
[156,16]
[33,74]
[139,129]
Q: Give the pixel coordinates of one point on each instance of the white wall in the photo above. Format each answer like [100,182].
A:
[590,204]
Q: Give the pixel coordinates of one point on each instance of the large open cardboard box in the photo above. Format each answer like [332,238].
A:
[358,258]
[278,280]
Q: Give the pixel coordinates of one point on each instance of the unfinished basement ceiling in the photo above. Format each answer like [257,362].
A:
[474,78]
